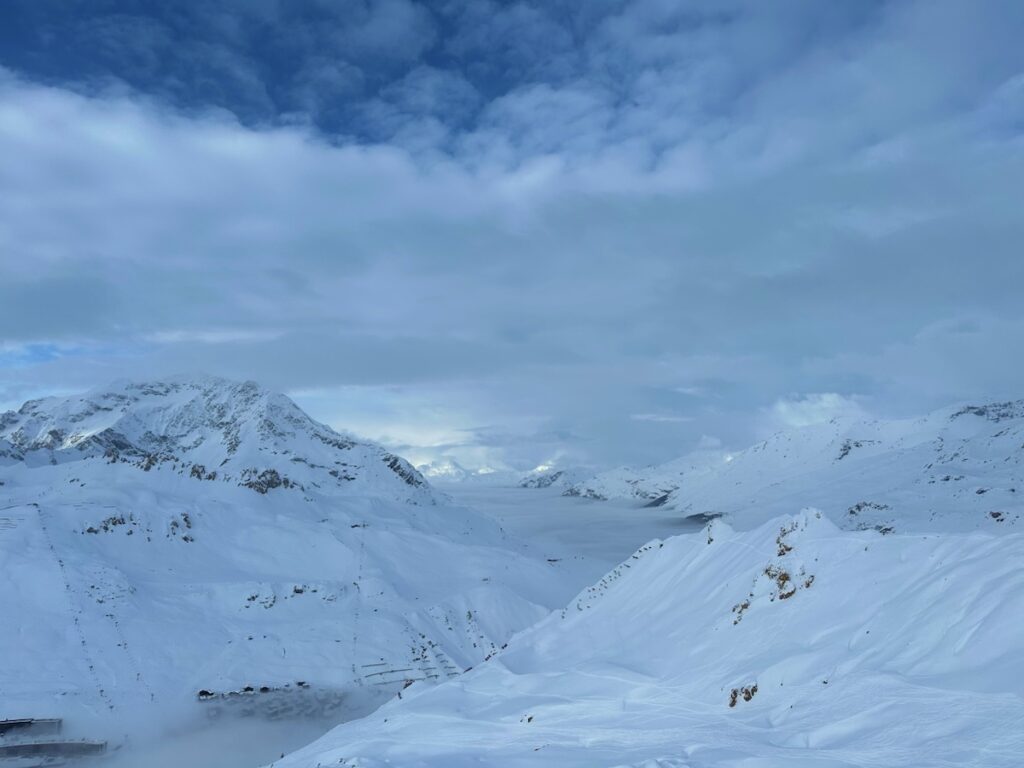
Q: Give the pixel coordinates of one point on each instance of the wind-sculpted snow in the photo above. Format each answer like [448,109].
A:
[959,469]
[793,644]
[182,550]
[208,429]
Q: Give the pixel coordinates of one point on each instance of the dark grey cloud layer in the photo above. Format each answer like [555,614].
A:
[517,233]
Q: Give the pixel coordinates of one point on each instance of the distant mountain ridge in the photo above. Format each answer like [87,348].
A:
[961,468]
[447,470]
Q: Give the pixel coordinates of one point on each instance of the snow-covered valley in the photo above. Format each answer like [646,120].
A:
[590,537]
[201,575]
[848,594]
[181,552]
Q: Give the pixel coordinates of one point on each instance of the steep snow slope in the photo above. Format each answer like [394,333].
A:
[792,644]
[957,469]
[163,539]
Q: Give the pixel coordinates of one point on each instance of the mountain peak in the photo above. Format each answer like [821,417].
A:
[205,428]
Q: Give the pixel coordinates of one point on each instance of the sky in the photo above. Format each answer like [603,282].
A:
[522,233]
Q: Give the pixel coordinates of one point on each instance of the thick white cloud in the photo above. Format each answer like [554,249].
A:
[690,217]
[817,408]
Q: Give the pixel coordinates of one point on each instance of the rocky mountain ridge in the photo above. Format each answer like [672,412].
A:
[205,429]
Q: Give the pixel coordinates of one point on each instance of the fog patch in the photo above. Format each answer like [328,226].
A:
[231,742]
[236,729]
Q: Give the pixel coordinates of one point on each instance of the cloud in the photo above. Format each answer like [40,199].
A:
[662,418]
[420,111]
[603,229]
[383,30]
[212,336]
[818,408]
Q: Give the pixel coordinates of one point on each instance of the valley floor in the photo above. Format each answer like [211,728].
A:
[588,537]
[598,535]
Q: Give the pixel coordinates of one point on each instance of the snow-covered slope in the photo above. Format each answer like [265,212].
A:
[957,469]
[883,629]
[186,547]
[199,548]
[794,644]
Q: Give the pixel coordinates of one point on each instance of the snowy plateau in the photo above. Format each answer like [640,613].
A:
[183,554]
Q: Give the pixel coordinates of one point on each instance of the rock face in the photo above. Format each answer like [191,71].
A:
[173,548]
[958,469]
[207,429]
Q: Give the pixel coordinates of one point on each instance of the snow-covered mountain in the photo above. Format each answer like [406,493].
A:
[960,468]
[449,471]
[193,548]
[444,470]
[206,430]
[793,644]
[176,548]
[550,477]
[883,629]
